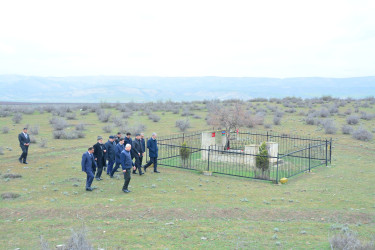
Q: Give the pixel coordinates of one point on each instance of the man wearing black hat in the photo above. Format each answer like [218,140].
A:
[99,155]
[24,139]
[110,154]
[137,152]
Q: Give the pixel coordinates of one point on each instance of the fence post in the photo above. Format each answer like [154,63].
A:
[330,151]
[309,157]
[277,169]
[326,152]
[208,159]
[267,136]
[183,137]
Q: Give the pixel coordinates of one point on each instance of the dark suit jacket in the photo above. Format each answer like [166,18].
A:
[128,141]
[143,143]
[87,162]
[152,146]
[126,160]
[99,154]
[118,150]
[136,148]
[110,146]
[23,139]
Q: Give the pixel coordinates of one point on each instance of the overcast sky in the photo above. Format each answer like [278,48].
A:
[270,38]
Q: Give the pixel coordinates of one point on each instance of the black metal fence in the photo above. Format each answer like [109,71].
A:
[295,154]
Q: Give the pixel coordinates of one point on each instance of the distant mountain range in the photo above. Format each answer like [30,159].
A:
[18,88]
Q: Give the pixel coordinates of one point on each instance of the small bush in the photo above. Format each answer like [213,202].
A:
[348,112]
[80,127]
[346,129]
[84,112]
[197,117]
[352,120]
[62,134]
[276,120]
[310,120]
[183,125]
[71,116]
[154,118]
[117,121]
[103,116]
[267,126]
[34,130]
[9,196]
[349,240]
[32,139]
[17,118]
[366,116]
[362,134]
[59,123]
[107,128]
[5,130]
[329,126]
[323,112]
[43,142]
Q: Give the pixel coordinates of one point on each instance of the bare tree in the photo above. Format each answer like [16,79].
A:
[229,118]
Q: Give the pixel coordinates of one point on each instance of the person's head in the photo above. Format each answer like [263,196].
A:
[118,134]
[128,134]
[91,150]
[138,136]
[100,139]
[154,135]
[25,130]
[142,136]
[111,138]
[128,147]
[121,141]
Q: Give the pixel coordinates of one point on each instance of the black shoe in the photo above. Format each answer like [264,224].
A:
[25,162]
[126,191]
[141,173]
[144,168]
[111,176]
[20,160]
[98,179]
[89,189]
[134,172]
[156,171]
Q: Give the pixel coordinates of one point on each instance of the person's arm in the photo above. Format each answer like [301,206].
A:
[83,162]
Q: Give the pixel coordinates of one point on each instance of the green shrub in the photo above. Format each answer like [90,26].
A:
[185,153]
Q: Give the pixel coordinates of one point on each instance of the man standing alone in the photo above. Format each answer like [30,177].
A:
[110,147]
[153,150]
[126,164]
[87,166]
[24,139]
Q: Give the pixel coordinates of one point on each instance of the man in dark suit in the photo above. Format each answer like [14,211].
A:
[87,166]
[119,136]
[99,155]
[24,139]
[110,154]
[128,139]
[126,164]
[143,144]
[137,152]
[118,149]
[153,150]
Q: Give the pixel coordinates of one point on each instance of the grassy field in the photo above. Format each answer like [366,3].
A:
[182,209]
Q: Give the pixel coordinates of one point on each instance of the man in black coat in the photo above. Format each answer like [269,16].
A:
[127,164]
[110,155]
[137,152]
[119,136]
[24,139]
[128,140]
[99,155]
[87,166]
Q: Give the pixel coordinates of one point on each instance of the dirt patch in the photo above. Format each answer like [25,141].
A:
[12,176]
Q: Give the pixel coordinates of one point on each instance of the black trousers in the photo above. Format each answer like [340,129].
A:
[114,169]
[127,178]
[138,165]
[99,169]
[25,150]
[152,160]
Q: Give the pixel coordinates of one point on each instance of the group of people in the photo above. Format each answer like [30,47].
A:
[116,152]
